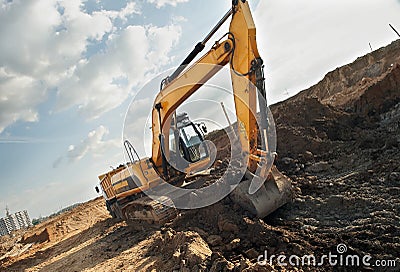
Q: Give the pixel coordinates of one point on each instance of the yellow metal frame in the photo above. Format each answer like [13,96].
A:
[240,53]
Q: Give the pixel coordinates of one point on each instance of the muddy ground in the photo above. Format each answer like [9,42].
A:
[338,141]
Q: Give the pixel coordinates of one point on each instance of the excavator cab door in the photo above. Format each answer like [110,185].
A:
[191,143]
[186,142]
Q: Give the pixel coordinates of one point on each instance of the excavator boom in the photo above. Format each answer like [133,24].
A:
[240,50]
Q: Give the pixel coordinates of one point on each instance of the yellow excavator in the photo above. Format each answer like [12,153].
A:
[178,148]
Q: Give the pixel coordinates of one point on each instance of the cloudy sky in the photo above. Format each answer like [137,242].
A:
[69,69]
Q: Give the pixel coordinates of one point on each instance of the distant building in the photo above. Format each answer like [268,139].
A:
[16,221]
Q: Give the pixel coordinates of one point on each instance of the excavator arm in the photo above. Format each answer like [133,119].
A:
[240,51]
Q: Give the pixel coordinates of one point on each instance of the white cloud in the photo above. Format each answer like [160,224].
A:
[303,40]
[102,82]
[25,34]
[38,45]
[130,9]
[19,96]
[93,144]
[179,19]
[161,3]
[44,45]
[136,127]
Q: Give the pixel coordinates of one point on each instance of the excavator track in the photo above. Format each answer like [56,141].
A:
[146,211]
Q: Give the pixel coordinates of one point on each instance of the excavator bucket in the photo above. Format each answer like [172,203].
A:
[276,192]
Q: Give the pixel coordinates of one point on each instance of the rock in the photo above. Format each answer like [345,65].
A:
[244,264]
[394,176]
[251,253]
[196,268]
[214,240]
[200,231]
[309,156]
[184,269]
[336,201]
[168,235]
[260,268]
[234,244]
[338,165]
[197,251]
[216,255]
[368,142]
[312,178]
[219,263]
[318,167]
[391,142]
[225,225]
[39,237]
[218,164]
[176,256]
[287,160]
[187,247]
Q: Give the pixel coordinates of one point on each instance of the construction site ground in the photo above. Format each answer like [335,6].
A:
[338,141]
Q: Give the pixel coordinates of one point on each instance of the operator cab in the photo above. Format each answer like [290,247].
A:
[189,138]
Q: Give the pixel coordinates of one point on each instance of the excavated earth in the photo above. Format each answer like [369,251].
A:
[338,141]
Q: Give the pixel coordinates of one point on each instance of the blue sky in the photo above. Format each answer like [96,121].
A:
[69,69]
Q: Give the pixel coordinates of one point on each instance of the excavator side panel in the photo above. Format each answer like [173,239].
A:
[132,205]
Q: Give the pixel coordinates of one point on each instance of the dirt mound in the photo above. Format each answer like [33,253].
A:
[182,250]
[349,81]
[39,237]
[221,141]
[380,96]
[50,234]
[307,124]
